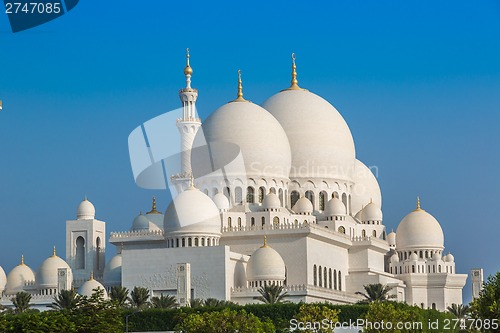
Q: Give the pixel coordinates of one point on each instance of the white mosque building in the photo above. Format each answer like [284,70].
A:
[301,215]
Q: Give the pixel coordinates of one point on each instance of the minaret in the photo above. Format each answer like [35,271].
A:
[188,126]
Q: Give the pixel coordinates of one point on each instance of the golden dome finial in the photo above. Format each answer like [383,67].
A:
[265,241]
[294,83]
[240,89]
[54,252]
[188,70]
[91,275]
[418,205]
[191,182]
[22,259]
[153,207]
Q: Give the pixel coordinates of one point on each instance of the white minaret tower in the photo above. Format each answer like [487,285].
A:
[188,126]
[477,277]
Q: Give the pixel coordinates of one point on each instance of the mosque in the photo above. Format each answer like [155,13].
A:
[257,203]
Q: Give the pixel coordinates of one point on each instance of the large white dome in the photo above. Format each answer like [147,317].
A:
[47,275]
[365,188]
[87,289]
[17,277]
[263,142]
[85,210]
[192,211]
[265,264]
[320,140]
[419,230]
[113,271]
[3,279]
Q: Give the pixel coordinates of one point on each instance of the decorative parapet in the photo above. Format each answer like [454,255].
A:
[193,120]
[123,235]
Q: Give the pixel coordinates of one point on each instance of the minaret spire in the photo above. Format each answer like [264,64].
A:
[188,71]
[418,205]
[294,83]
[22,259]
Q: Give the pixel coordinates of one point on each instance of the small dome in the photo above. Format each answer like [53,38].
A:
[113,271]
[391,238]
[140,223]
[17,278]
[266,264]
[394,258]
[335,207]
[85,210]
[419,230]
[303,206]
[437,257]
[372,212]
[221,201]
[359,215]
[450,258]
[87,289]
[3,279]
[47,275]
[366,187]
[271,201]
[414,257]
[192,211]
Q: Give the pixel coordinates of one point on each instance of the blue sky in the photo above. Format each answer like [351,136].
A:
[417,81]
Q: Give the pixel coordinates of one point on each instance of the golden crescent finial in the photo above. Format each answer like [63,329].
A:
[265,241]
[294,83]
[240,98]
[22,259]
[153,207]
[54,252]
[188,70]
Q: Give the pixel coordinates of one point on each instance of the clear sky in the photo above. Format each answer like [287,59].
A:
[418,83]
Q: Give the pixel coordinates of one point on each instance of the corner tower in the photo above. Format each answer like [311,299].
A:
[188,126]
[85,244]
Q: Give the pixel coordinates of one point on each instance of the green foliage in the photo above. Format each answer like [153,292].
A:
[460,311]
[37,322]
[271,294]
[376,292]
[139,297]
[21,301]
[67,300]
[320,314]
[164,302]
[487,305]
[119,295]
[385,312]
[196,303]
[225,321]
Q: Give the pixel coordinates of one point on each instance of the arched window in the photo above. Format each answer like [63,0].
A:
[239,222]
[263,222]
[340,281]
[276,221]
[177,242]
[272,190]
[322,200]
[184,242]
[341,230]
[238,195]
[280,195]
[203,242]
[209,242]
[363,233]
[310,196]
[325,277]
[320,280]
[229,223]
[433,306]
[413,268]
[252,221]
[196,242]
[190,242]
[439,269]
[261,194]
[383,235]
[315,276]
[335,279]
[374,233]
[294,196]
[344,199]
[80,253]
[98,253]
[250,194]
[335,195]
[330,278]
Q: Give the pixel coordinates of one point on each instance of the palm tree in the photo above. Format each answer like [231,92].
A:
[21,301]
[376,292]
[119,295]
[212,302]
[459,310]
[67,299]
[272,294]
[165,302]
[196,303]
[139,297]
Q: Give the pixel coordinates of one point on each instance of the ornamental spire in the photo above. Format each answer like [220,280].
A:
[418,205]
[265,242]
[240,89]
[22,259]
[91,275]
[54,252]
[188,71]
[294,83]
[153,207]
